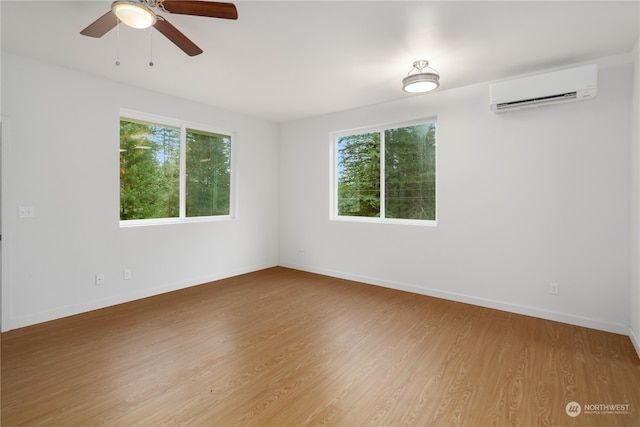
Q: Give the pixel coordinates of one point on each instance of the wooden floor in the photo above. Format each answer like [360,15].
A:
[286,348]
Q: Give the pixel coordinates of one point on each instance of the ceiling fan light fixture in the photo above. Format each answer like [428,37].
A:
[424,79]
[133,14]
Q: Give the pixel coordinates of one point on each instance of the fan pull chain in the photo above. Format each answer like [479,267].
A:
[150,47]
[118,43]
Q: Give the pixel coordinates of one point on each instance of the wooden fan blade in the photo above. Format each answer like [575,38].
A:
[179,39]
[209,9]
[101,26]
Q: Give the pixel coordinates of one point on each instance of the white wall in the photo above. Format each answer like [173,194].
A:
[635,205]
[524,199]
[61,157]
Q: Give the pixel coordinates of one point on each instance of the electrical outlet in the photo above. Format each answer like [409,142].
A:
[26,212]
[126,274]
[554,289]
[99,278]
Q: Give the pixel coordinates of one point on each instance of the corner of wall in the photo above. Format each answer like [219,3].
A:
[634,309]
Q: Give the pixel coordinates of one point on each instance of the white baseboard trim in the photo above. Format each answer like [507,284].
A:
[45,316]
[71,310]
[482,302]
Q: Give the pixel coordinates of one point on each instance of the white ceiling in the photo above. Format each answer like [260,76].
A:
[291,59]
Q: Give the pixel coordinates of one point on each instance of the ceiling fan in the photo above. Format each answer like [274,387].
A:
[138,14]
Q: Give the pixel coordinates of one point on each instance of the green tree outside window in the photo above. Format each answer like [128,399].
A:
[150,166]
[401,160]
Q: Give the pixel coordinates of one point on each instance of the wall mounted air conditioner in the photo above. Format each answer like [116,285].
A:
[574,84]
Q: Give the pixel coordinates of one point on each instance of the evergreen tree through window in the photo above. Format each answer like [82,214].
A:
[173,172]
[387,173]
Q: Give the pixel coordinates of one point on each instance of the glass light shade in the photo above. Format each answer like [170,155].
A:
[424,79]
[419,83]
[133,14]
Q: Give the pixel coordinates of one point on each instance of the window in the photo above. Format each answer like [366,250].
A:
[386,173]
[172,172]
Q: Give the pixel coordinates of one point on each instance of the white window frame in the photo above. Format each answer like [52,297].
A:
[183,126]
[333,175]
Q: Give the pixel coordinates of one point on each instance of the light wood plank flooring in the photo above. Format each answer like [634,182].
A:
[282,347]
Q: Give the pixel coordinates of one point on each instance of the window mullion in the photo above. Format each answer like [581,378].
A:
[382,175]
[183,172]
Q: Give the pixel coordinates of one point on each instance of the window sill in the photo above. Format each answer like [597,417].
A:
[169,221]
[394,221]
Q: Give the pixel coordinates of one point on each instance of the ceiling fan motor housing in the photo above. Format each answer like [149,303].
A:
[138,14]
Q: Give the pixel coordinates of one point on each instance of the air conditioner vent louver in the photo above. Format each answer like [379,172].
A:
[575,84]
[565,97]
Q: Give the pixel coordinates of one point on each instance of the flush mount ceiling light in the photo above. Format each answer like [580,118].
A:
[424,79]
[133,14]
